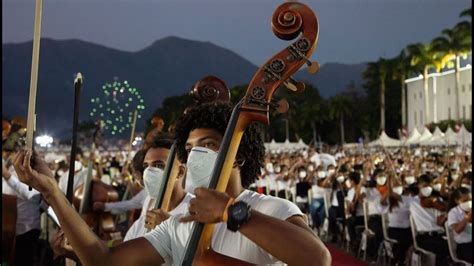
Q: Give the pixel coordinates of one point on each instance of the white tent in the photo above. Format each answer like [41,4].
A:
[426,135]
[436,140]
[274,146]
[414,136]
[450,136]
[385,141]
[300,145]
[464,137]
[327,159]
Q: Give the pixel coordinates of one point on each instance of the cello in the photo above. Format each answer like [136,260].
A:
[288,21]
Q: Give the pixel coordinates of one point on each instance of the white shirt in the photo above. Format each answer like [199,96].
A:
[399,217]
[350,197]
[425,218]
[79,179]
[282,184]
[455,216]
[28,202]
[271,181]
[171,236]
[136,202]
[138,227]
[373,198]
[318,192]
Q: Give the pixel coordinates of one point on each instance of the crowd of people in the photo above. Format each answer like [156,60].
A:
[357,198]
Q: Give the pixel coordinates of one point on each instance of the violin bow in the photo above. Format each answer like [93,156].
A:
[208,89]
[289,21]
[31,118]
[132,137]
[77,98]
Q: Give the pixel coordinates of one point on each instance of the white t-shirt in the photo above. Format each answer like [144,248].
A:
[271,181]
[425,218]
[138,227]
[135,202]
[373,198]
[171,236]
[399,217]
[455,216]
[318,192]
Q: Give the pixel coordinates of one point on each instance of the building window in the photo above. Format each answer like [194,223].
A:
[463,88]
[415,118]
[464,112]
[449,113]
[449,91]
[421,117]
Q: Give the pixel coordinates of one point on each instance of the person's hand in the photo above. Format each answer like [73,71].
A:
[442,219]
[40,178]
[98,206]
[155,217]
[59,245]
[207,207]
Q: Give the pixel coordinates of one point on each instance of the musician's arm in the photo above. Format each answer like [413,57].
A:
[87,246]
[126,205]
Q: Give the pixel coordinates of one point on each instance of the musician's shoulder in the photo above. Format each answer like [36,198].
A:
[269,205]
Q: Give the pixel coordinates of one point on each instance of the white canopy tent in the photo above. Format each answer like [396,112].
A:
[450,136]
[385,141]
[285,146]
[436,140]
[464,137]
[414,136]
[426,135]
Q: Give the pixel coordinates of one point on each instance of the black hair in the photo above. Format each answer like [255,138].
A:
[216,116]
[137,161]
[425,179]
[354,176]
[161,141]
[456,195]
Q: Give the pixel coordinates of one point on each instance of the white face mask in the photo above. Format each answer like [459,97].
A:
[426,191]
[331,171]
[348,183]
[368,178]
[398,190]
[302,174]
[466,206]
[60,172]
[441,169]
[340,179]
[454,176]
[381,180]
[153,181]
[467,186]
[437,187]
[311,168]
[322,174]
[269,167]
[77,166]
[410,180]
[277,169]
[199,168]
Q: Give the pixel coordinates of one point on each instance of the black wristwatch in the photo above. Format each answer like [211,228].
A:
[238,214]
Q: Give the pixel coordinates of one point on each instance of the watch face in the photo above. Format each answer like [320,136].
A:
[239,211]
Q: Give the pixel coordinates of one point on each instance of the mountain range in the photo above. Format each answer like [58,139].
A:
[168,67]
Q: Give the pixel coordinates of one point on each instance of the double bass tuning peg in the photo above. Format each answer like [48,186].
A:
[313,66]
[294,85]
[280,106]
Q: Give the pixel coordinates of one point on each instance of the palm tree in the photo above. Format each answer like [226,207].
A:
[380,70]
[339,107]
[454,43]
[423,58]
[401,68]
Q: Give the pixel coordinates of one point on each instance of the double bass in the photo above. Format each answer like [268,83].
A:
[289,21]
[94,190]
